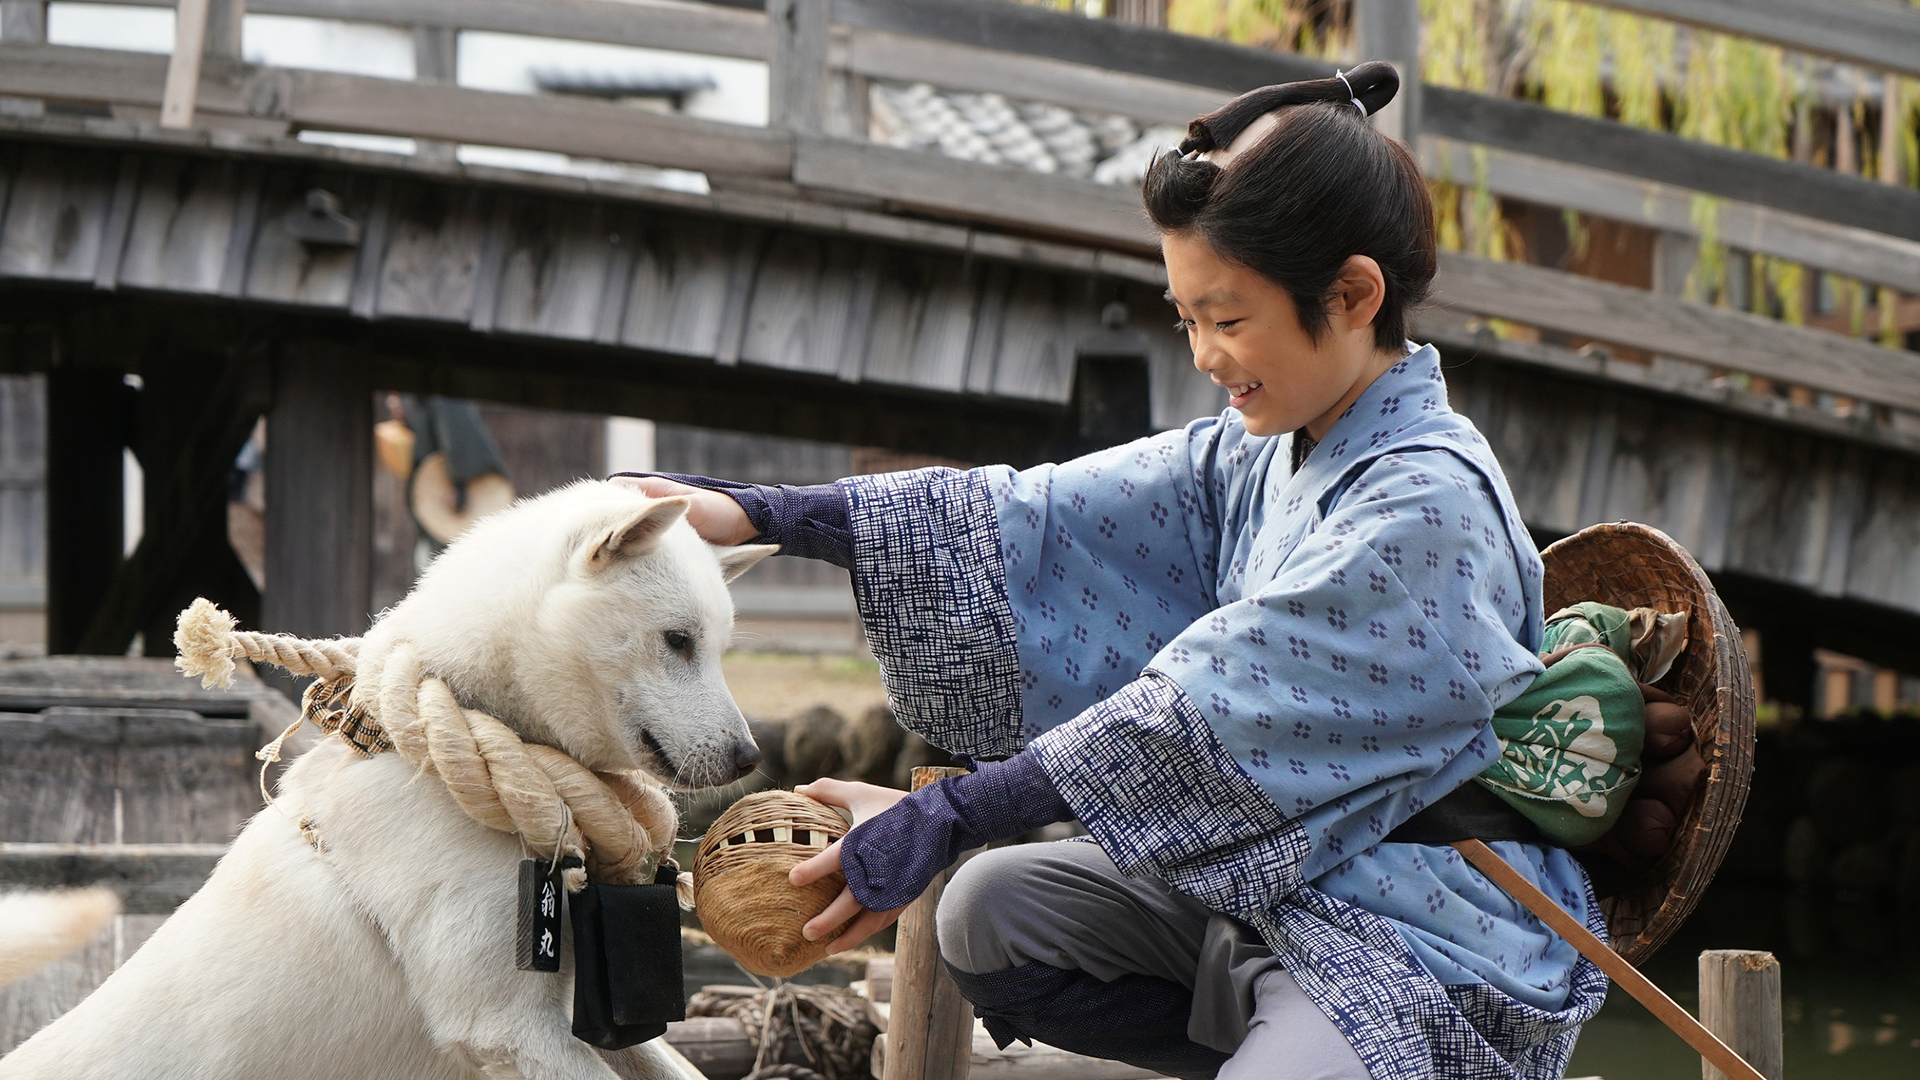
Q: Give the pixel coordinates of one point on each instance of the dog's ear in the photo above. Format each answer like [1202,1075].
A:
[735,561]
[637,534]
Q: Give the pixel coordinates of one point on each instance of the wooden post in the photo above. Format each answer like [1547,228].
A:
[436,57]
[88,414]
[23,20]
[319,494]
[221,42]
[1390,30]
[183,70]
[930,1029]
[797,57]
[1740,1002]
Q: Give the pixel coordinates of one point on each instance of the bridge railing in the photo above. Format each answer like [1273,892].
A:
[823,54]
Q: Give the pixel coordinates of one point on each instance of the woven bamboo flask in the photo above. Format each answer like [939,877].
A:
[740,885]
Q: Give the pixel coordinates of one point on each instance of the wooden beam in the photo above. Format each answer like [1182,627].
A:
[1390,30]
[152,879]
[1860,253]
[710,29]
[390,107]
[797,62]
[319,493]
[1102,43]
[1668,159]
[886,54]
[224,30]
[23,20]
[1734,340]
[1875,36]
[1000,194]
[183,67]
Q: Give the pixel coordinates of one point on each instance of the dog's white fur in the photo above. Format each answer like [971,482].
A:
[389,952]
[37,928]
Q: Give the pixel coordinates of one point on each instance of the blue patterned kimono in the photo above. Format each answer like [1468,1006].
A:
[1241,679]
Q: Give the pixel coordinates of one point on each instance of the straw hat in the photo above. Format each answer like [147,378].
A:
[443,509]
[1629,565]
[740,885]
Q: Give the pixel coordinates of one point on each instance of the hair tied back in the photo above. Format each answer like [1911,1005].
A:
[1368,87]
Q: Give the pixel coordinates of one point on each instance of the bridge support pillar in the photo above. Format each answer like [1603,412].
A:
[319,494]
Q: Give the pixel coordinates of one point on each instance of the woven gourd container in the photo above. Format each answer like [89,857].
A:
[740,885]
[1630,565]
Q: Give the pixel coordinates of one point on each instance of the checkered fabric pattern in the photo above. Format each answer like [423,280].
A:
[325,704]
[932,593]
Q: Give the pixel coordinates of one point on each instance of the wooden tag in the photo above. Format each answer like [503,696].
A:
[536,945]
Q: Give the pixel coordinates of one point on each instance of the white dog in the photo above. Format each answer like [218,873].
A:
[591,619]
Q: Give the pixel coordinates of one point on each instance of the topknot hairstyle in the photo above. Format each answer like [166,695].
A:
[1318,188]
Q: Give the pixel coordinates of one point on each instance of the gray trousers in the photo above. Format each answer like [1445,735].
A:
[1065,905]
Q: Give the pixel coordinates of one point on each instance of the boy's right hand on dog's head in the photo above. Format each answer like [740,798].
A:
[714,515]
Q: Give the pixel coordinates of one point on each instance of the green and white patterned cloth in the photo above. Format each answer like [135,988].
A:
[1570,744]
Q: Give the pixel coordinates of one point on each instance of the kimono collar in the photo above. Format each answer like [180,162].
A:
[1402,404]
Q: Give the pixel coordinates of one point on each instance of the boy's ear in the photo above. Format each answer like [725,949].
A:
[735,561]
[1361,289]
[638,533]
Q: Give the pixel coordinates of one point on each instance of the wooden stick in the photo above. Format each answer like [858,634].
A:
[1615,965]
[183,71]
[1740,1002]
[930,1026]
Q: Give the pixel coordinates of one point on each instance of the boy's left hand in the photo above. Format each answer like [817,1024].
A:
[863,801]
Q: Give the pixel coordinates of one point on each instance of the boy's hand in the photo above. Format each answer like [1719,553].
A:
[863,801]
[713,514]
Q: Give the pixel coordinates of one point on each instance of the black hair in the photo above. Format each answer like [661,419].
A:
[1322,186]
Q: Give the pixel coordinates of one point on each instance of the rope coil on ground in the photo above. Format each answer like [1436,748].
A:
[619,824]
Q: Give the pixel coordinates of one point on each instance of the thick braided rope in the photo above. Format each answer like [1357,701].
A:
[620,828]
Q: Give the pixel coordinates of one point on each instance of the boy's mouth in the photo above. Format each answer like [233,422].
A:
[1240,392]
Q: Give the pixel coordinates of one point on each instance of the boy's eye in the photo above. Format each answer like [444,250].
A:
[1224,325]
[1183,326]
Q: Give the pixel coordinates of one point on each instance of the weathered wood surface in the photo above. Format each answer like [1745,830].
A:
[1878,37]
[152,879]
[1856,252]
[1740,1002]
[1586,307]
[930,1024]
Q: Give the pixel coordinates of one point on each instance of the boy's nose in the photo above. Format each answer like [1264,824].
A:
[746,758]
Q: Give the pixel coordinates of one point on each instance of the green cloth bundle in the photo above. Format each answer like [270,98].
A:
[1570,745]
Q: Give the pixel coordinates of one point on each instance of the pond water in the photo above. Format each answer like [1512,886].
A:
[1848,1014]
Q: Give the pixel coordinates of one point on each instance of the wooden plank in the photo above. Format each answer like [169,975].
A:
[319,494]
[57,214]
[799,314]
[1043,320]
[1880,37]
[206,704]
[1102,43]
[183,67]
[283,268]
[711,29]
[1855,252]
[152,879]
[1390,30]
[1731,339]
[677,300]
[921,323]
[1603,144]
[987,193]
[113,233]
[183,224]
[797,63]
[883,54]
[389,107]
[433,253]
[553,270]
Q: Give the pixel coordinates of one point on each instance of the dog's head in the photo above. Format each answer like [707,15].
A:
[592,619]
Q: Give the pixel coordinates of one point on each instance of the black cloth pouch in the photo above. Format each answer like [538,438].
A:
[627,981]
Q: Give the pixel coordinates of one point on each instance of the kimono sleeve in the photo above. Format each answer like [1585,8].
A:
[1002,602]
[1283,733]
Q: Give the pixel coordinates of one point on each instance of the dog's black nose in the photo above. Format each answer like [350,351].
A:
[746,758]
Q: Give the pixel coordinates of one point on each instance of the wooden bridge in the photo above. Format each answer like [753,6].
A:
[159,217]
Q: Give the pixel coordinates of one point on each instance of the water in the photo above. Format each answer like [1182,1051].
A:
[1850,980]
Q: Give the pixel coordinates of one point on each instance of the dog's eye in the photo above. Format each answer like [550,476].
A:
[681,642]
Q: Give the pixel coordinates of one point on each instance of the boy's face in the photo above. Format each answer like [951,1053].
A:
[1246,336]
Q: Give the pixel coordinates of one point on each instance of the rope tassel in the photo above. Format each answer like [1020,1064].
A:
[620,824]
